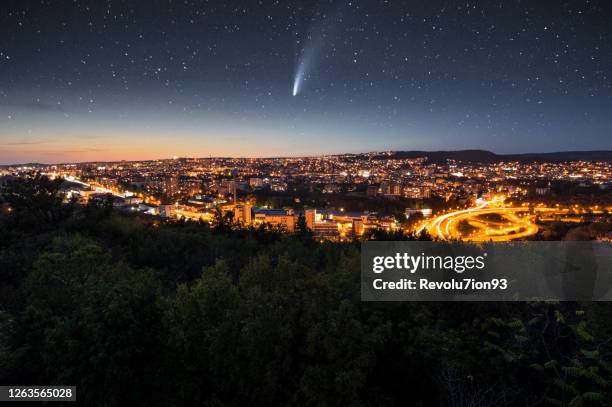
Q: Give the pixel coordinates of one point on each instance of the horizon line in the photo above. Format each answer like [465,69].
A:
[303,156]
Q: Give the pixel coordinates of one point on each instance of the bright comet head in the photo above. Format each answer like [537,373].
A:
[296,83]
[299,77]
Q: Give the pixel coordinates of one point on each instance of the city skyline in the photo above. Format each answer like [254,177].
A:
[467,156]
[467,195]
[113,81]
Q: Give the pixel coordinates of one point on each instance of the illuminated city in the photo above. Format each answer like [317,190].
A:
[344,197]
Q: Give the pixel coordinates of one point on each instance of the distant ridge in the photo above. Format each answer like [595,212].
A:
[487,157]
[468,156]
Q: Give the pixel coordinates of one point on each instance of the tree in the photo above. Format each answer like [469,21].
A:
[223,223]
[202,334]
[302,228]
[91,322]
[37,202]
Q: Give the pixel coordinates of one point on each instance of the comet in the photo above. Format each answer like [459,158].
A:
[316,40]
[297,81]
[300,77]
[307,57]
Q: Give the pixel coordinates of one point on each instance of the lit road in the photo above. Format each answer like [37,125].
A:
[489,221]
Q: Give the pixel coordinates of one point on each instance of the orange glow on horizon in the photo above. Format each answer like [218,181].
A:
[82,151]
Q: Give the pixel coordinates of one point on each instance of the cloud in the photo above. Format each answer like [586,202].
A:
[25,143]
[77,151]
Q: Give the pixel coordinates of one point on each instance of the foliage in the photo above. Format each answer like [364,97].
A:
[144,313]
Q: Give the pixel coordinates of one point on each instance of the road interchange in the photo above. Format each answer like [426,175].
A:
[488,221]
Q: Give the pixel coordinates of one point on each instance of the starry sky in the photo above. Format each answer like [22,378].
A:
[112,80]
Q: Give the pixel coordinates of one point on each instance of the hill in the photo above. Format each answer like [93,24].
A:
[488,157]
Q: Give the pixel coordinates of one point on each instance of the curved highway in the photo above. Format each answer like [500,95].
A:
[489,221]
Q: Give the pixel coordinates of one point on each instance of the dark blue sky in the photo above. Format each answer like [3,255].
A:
[128,80]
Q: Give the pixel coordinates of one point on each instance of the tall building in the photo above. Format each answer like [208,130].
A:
[358,227]
[310,215]
[395,188]
[232,189]
[391,188]
[227,187]
[243,214]
[171,185]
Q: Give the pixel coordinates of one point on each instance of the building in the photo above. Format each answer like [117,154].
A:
[278,218]
[335,224]
[331,189]
[417,192]
[385,187]
[391,188]
[75,190]
[227,187]
[310,215]
[243,214]
[171,185]
[256,183]
[426,212]
[395,189]
[278,186]
[193,187]
[166,211]
[358,227]
[148,209]
[326,229]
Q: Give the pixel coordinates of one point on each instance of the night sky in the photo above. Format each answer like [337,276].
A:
[110,80]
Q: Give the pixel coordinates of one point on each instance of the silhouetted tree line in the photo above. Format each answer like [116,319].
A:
[140,312]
